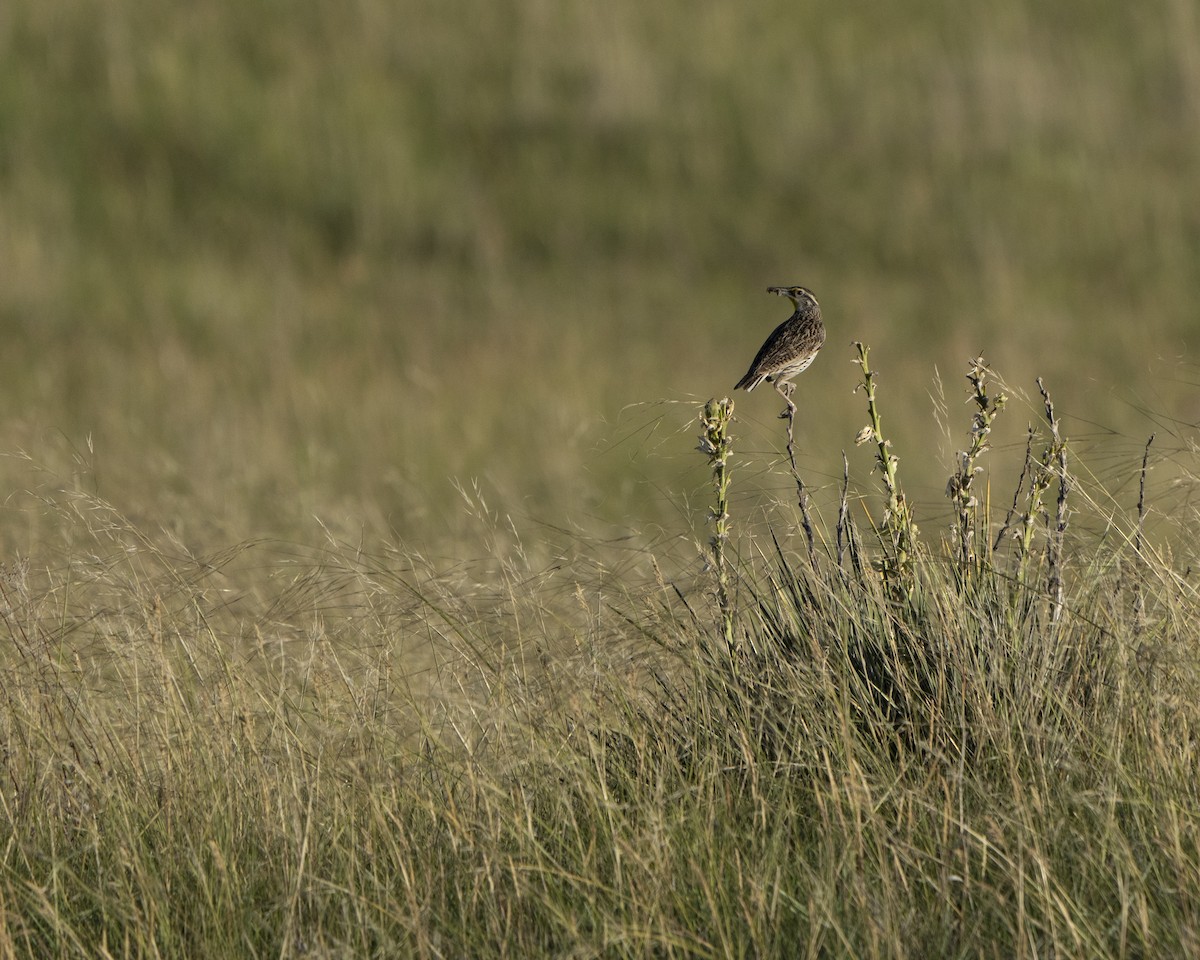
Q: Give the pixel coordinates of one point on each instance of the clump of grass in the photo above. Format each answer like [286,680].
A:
[929,661]
[1006,708]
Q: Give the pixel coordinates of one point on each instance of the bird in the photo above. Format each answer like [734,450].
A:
[790,348]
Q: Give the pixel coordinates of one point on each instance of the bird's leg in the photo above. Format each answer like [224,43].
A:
[785,390]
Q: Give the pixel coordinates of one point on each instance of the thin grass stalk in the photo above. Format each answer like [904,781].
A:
[1139,593]
[717,445]
[1058,455]
[1012,510]
[1039,482]
[843,511]
[959,487]
[801,491]
[1141,504]
[899,531]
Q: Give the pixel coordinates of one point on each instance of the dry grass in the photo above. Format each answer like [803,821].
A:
[340,754]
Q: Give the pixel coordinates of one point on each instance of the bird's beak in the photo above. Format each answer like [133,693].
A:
[782,291]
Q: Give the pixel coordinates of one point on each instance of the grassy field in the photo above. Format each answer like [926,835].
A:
[357,587]
[876,743]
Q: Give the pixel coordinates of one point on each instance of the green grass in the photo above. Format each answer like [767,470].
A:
[358,587]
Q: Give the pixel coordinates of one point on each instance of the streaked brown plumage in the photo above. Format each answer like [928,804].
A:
[790,348]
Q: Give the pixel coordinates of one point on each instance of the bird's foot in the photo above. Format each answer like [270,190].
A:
[786,391]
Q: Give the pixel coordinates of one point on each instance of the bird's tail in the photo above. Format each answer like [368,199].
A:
[748,382]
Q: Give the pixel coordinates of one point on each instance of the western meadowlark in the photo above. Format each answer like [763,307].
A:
[790,348]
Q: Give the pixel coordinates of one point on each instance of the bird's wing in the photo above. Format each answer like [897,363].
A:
[774,353]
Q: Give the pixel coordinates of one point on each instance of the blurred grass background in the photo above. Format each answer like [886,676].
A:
[267,261]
